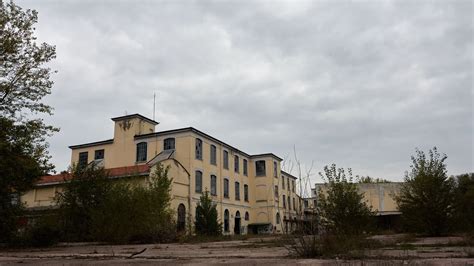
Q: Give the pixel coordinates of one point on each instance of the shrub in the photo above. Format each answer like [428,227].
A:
[44,235]
[134,213]
[207,222]
[341,208]
[426,198]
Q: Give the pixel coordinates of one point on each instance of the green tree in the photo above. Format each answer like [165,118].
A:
[131,212]
[464,214]
[207,222]
[83,193]
[426,198]
[24,81]
[341,207]
[371,180]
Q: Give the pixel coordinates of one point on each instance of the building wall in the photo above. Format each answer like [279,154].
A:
[379,195]
[262,205]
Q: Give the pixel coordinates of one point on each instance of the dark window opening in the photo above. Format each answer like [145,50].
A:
[141,151]
[198,182]
[260,168]
[213,185]
[199,149]
[213,155]
[83,159]
[99,154]
[169,144]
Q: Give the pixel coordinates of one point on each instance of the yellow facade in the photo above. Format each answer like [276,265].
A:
[380,196]
[189,156]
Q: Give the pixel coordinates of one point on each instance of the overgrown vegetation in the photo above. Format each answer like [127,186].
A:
[24,81]
[95,208]
[343,218]
[427,198]
[207,222]
[464,215]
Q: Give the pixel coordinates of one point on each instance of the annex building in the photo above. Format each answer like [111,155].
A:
[252,193]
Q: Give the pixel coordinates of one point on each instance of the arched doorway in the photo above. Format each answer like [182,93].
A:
[237,223]
[181,223]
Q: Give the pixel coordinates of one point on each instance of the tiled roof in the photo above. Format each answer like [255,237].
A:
[113,172]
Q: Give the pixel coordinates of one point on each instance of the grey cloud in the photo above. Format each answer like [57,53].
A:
[357,83]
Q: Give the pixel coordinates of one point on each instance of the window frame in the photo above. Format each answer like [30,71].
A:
[96,152]
[198,149]
[142,150]
[236,164]
[257,173]
[167,142]
[275,169]
[213,185]
[246,193]
[196,179]
[225,159]
[213,155]
[237,190]
[80,161]
[226,188]
[245,167]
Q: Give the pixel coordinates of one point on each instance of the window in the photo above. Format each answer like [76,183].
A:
[99,154]
[278,218]
[288,184]
[294,204]
[236,164]
[199,149]
[82,159]
[293,185]
[306,203]
[289,203]
[246,193]
[276,191]
[168,144]
[213,155]
[237,191]
[198,187]
[226,188]
[245,167]
[247,217]
[282,182]
[284,202]
[260,168]
[226,220]
[141,151]
[181,223]
[213,185]
[275,167]
[226,159]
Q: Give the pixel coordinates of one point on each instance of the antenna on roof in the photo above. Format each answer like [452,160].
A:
[154,96]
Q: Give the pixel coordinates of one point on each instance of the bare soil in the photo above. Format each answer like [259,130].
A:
[252,251]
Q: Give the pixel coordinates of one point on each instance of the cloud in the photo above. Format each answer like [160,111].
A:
[360,84]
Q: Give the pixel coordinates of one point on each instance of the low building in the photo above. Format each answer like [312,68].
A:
[379,196]
[251,191]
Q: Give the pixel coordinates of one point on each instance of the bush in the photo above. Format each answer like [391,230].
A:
[427,197]
[207,222]
[44,235]
[341,208]
[134,213]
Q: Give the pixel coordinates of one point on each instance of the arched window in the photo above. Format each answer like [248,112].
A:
[213,185]
[168,144]
[213,155]
[226,188]
[198,187]
[181,224]
[199,149]
[278,218]
[247,217]
[141,151]
[226,220]
[237,191]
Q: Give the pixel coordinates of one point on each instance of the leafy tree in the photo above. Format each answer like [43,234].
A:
[341,207]
[83,193]
[371,180]
[207,222]
[464,214]
[132,212]
[426,198]
[24,81]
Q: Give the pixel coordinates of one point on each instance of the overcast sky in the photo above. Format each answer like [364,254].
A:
[360,84]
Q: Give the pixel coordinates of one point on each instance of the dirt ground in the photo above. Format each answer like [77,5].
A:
[253,251]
